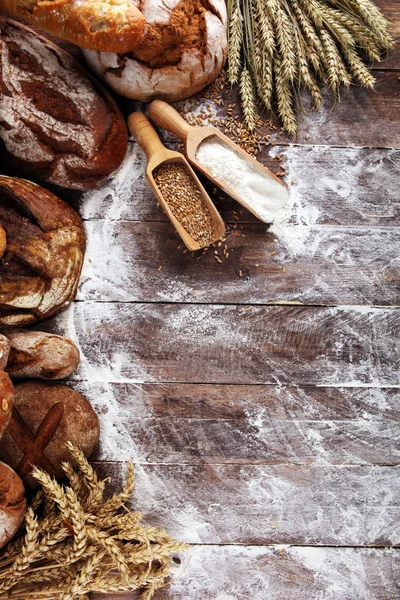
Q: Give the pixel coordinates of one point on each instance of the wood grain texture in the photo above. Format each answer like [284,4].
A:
[391,10]
[283,573]
[343,186]
[362,118]
[209,424]
[147,343]
[269,504]
[144,262]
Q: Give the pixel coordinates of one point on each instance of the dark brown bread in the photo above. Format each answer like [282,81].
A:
[44,418]
[12,503]
[57,123]
[37,354]
[6,401]
[2,241]
[39,271]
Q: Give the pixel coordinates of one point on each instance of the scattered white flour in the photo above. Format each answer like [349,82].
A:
[264,196]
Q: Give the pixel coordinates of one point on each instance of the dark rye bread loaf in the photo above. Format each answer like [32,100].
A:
[57,123]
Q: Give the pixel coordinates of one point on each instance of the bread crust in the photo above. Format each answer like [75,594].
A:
[107,25]
[58,124]
[39,273]
[4,350]
[40,355]
[6,401]
[12,503]
[3,241]
[78,423]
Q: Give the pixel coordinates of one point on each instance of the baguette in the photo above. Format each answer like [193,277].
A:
[106,25]
[36,354]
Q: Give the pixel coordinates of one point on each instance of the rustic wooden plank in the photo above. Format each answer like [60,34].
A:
[362,118]
[196,424]
[145,262]
[336,186]
[147,343]
[391,10]
[279,572]
[265,504]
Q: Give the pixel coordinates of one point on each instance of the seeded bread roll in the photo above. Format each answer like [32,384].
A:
[12,503]
[45,417]
[40,355]
[6,401]
[2,241]
[57,123]
[40,269]
[108,25]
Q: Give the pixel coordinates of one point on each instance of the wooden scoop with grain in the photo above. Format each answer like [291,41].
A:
[255,187]
[177,188]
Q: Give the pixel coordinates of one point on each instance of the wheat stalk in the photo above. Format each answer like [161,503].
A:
[76,542]
[279,46]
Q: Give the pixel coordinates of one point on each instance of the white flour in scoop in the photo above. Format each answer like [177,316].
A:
[264,195]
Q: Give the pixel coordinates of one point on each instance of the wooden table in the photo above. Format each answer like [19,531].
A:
[262,410]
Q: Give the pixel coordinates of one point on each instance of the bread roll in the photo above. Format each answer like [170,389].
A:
[45,248]
[2,241]
[4,351]
[35,354]
[72,418]
[183,50]
[12,503]
[6,401]
[109,25]
[57,123]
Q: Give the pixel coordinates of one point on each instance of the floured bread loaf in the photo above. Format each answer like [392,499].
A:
[183,49]
[56,122]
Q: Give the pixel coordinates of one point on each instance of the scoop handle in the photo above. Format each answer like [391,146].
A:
[145,134]
[165,116]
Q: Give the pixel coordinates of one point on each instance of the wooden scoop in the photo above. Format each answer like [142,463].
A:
[168,118]
[158,155]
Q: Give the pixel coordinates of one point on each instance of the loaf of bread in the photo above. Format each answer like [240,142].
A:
[183,50]
[2,241]
[44,418]
[108,25]
[12,503]
[39,271]
[58,124]
[40,355]
[6,401]
[4,350]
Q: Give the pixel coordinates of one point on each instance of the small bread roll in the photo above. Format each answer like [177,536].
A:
[6,401]
[4,351]
[40,355]
[2,241]
[12,503]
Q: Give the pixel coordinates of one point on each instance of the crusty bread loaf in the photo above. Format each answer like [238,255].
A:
[12,503]
[37,354]
[183,50]
[2,241]
[6,401]
[107,25]
[4,350]
[39,272]
[58,124]
[68,417]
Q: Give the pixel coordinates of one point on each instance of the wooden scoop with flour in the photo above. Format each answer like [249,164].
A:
[158,156]
[234,170]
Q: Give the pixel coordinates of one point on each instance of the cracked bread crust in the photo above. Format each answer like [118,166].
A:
[40,269]
[56,122]
[12,503]
[108,25]
[183,49]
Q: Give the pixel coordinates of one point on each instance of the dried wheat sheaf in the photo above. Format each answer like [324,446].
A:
[277,47]
[76,542]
